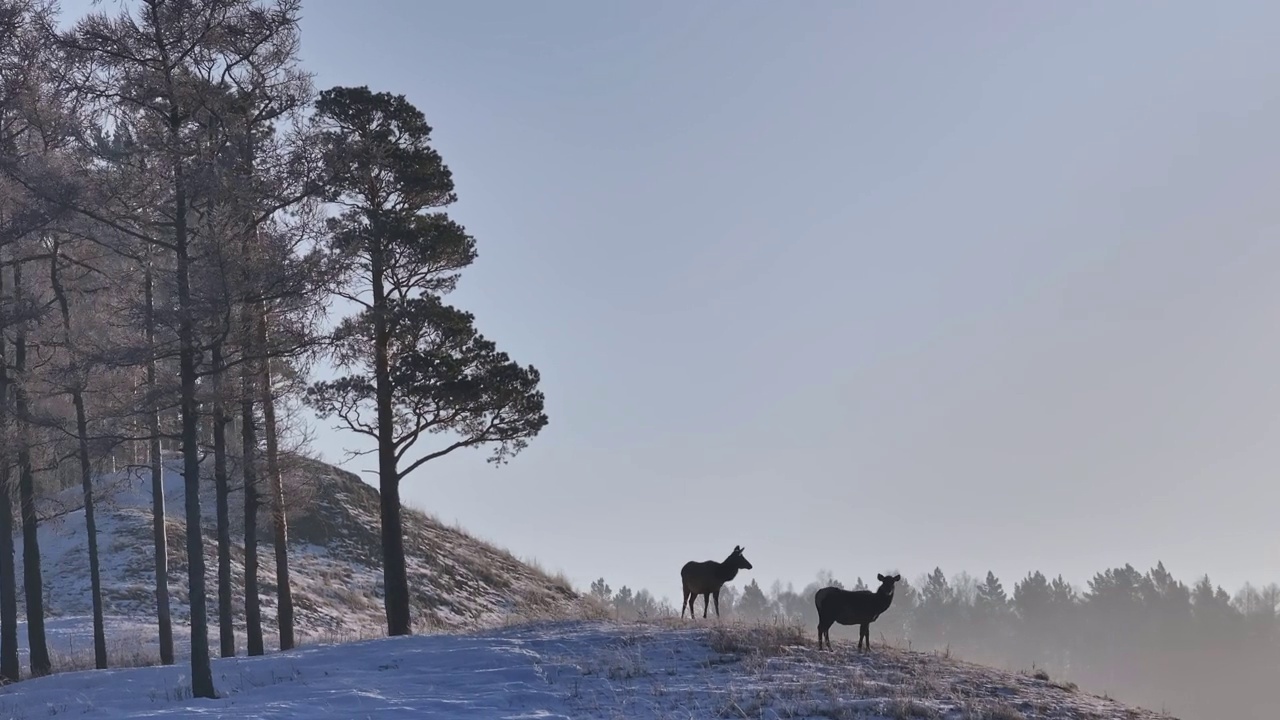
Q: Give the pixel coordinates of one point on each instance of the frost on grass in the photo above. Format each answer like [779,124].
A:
[775,671]
[642,671]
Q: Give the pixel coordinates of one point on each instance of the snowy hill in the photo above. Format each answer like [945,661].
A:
[458,581]
[573,670]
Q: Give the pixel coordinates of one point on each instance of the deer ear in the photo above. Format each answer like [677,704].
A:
[897,578]
[880,577]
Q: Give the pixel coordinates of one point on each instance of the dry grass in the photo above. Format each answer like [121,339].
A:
[993,711]
[128,656]
[907,709]
[785,677]
[1043,676]
[761,639]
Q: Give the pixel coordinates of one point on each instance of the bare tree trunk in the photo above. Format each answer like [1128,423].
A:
[249,441]
[226,627]
[395,579]
[201,672]
[157,479]
[10,671]
[279,517]
[91,529]
[86,465]
[32,578]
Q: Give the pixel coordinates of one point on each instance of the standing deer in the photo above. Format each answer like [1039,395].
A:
[852,607]
[706,579]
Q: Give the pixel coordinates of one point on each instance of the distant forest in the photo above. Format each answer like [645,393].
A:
[1146,638]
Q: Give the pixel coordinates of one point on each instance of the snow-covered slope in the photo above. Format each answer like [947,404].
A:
[571,670]
[458,581]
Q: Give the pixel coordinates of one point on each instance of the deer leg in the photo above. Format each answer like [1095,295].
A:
[824,629]
[864,632]
[717,597]
[685,601]
[706,602]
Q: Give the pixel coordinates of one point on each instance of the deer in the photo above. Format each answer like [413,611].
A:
[706,579]
[853,607]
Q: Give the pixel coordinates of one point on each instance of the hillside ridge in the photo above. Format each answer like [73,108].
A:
[458,582]
[577,669]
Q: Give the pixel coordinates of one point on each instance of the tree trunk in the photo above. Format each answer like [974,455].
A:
[201,673]
[279,517]
[10,671]
[9,668]
[86,465]
[32,578]
[226,627]
[161,540]
[249,441]
[91,530]
[394,578]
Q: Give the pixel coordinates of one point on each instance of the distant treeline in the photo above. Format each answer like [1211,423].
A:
[1146,638]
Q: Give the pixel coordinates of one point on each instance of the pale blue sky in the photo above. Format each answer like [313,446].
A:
[860,285]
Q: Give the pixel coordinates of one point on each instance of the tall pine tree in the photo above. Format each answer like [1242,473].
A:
[418,367]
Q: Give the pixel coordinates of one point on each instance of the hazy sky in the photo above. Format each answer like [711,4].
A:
[860,285]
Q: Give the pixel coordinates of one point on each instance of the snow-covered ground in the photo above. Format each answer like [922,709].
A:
[571,670]
[459,582]
[131,642]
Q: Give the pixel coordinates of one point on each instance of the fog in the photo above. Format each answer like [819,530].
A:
[983,286]
[860,286]
[1191,648]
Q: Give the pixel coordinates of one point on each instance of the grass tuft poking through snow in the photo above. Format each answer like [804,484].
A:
[758,640]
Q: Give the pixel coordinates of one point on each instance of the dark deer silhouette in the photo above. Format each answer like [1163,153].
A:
[706,579]
[852,607]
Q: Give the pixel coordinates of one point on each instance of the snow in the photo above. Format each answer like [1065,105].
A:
[569,670]
[335,567]
[661,669]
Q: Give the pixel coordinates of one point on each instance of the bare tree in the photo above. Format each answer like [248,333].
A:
[9,668]
[21,56]
[76,371]
[249,465]
[275,172]
[32,577]
[160,537]
[157,72]
[279,519]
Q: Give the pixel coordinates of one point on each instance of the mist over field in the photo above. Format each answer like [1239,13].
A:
[1144,637]
[641,298]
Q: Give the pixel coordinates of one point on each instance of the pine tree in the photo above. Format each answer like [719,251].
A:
[1032,598]
[418,367]
[753,604]
[991,602]
[937,605]
[601,591]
